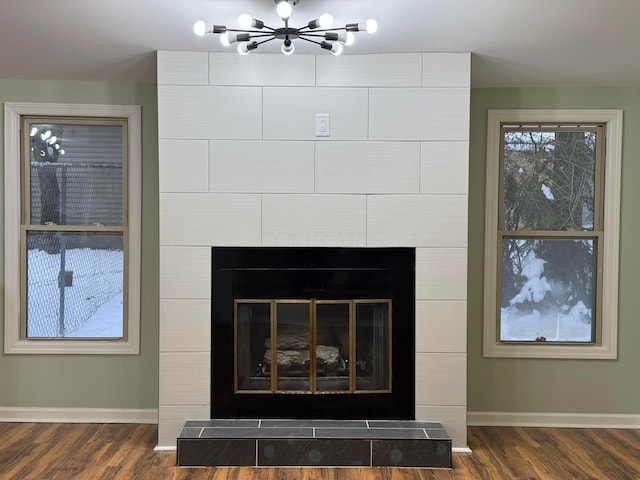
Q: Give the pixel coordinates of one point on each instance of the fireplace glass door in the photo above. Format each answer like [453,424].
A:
[348,340]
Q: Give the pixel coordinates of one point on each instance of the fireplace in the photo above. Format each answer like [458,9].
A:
[323,333]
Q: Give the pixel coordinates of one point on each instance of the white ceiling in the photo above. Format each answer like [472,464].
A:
[514,42]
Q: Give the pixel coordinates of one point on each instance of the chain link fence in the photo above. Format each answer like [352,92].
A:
[73,275]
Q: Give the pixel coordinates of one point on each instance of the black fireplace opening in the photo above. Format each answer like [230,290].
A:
[313,333]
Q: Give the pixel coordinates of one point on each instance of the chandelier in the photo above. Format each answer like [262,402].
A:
[253,32]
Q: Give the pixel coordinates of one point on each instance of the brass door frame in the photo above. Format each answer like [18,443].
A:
[313,379]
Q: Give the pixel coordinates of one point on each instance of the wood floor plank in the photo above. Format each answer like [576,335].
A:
[39,451]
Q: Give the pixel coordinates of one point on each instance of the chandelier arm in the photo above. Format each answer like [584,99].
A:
[242,30]
[310,35]
[316,30]
[265,41]
[309,40]
[265,34]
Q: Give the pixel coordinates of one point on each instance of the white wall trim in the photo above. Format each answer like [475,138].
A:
[159,448]
[607,348]
[13,342]
[554,420]
[462,450]
[78,415]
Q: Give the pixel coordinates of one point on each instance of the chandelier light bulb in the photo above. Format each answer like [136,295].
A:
[224,39]
[242,48]
[337,49]
[200,28]
[245,20]
[325,20]
[351,38]
[284,9]
[288,47]
[371,26]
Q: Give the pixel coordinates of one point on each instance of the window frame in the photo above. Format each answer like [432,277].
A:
[605,346]
[15,341]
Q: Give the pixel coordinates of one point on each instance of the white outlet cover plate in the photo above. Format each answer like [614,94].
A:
[323,125]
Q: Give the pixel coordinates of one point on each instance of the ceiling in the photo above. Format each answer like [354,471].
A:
[514,42]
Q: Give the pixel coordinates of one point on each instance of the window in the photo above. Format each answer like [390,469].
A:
[72,246]
[551,243]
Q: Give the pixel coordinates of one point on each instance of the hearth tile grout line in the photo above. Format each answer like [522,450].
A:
[201,432]
[257,464]
[314,432]
[260,423]
[425,433]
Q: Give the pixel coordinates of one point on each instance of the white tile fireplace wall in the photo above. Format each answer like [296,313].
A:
[240,165]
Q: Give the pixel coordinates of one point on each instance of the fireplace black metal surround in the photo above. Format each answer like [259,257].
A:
[240,274]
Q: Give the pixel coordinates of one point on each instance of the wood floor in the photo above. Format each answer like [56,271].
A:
[50,451]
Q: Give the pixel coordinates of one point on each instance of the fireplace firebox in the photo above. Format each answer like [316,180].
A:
[311,332]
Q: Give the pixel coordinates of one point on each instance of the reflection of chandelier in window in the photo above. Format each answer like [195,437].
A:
[318,31]
[45,143]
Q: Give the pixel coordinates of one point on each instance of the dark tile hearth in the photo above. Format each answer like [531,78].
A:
[314,443]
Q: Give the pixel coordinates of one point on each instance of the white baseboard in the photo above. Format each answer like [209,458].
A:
[78,415]
[464,450]
[558,420]
[159,448]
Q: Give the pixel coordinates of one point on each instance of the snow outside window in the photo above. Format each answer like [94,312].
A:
[78,275]
[545,288]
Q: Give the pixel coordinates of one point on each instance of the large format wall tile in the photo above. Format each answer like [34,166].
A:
[185,272]
[262,69]
[209,112]
[441,379]
[290,113]
[183,166]
[441,326]
[185,325]
[313,220]
[417,220]
[446,70]
[441,274]
[392,173]
[367,167]
[444,168]
[266,167]
[419,114]
[185,379]
[209,219]
[183,68]
[377,70]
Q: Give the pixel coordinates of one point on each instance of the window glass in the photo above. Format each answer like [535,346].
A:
[548,270]
[549,179]
[74,285]
[547,290]
[74,228]
[76,174]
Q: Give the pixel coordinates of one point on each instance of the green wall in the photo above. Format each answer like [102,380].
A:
[495,385]
[534,385]
[93,381]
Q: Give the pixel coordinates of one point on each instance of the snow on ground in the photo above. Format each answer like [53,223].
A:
[93,300]
[105,323]
[553,324]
